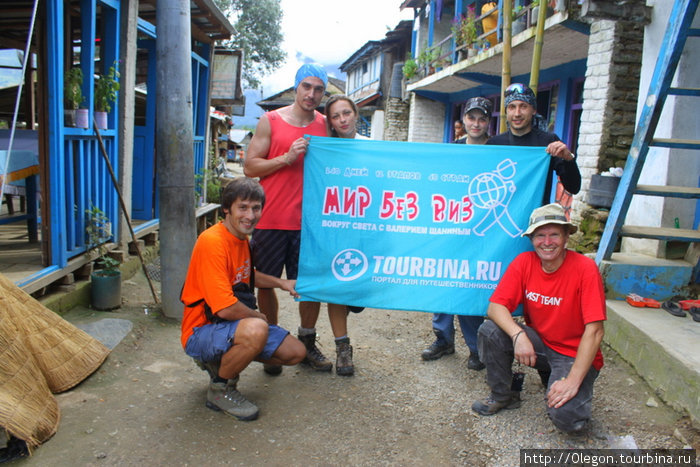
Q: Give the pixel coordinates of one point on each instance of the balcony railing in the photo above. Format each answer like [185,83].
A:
[451,49]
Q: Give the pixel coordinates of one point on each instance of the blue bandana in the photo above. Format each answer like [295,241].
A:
[310,69]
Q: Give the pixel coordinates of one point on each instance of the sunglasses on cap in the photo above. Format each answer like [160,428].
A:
[517,88]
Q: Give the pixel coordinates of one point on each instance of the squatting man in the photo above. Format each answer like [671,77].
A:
[564,307]
[221,328]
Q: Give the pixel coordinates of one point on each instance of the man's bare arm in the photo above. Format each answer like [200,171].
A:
[256,162]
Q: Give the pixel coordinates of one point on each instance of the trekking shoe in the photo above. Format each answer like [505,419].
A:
[272,370]
[490,406]
[314,358]
[474,363]
[343,361]
[437,350]
[225,397]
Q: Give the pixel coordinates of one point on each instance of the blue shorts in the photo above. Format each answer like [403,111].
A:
[209,342]
[276,249]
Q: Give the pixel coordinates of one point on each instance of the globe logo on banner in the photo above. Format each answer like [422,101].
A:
[349,264]
[494,191]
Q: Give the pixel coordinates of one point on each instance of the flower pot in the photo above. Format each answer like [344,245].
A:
[101,119]
[106,290]
[81,118]
[519,26]
[69,117]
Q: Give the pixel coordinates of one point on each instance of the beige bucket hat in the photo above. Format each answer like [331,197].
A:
[548,214]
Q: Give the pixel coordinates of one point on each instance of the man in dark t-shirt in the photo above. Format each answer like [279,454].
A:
[521,114]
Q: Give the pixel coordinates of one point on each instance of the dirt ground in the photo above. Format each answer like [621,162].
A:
[145,405]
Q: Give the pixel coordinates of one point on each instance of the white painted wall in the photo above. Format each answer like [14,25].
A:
[679,119]
[377,129]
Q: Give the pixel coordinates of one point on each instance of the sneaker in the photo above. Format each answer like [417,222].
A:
[474,363]
[225,397]
[437,350]
[491,406]
[343,362]
[272,370]
[314,358]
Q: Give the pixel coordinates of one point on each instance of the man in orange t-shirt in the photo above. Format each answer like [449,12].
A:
[221,328]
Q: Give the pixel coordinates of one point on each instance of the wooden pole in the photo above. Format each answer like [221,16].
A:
[505,67]
[123,205]
[537,51]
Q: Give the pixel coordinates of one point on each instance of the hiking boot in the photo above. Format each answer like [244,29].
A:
[474,363]
[491,406]
[437,350]
[272,370]
[225,397]
[343,361]
[314,358]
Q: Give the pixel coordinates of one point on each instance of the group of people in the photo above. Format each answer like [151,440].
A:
[560,290]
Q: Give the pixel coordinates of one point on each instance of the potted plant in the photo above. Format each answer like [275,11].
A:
[106,88]
[410,68]
[73,96]
[426,59]
[106,282]
[519,20]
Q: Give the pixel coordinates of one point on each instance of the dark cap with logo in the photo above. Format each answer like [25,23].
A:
[479,103]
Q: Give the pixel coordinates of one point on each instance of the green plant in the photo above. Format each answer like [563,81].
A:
[427,56]
[72,88]
[517,12]
[98,229]
[410,68]
[106,89]
[464,30]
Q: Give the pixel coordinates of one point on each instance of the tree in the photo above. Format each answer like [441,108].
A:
[258,33]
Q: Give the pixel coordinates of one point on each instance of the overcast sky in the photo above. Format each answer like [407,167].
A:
[328,32]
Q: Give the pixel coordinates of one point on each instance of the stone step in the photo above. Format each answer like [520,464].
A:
[663,350]
[649,277]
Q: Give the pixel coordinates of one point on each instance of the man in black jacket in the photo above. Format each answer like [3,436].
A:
[523,130]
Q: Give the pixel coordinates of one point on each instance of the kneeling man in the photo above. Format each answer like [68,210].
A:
[564,306]
[221,328]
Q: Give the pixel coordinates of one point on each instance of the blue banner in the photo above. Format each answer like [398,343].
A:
[414,226]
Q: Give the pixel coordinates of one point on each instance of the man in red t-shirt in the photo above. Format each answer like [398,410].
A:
[221,328]
[276,155]
[564,307]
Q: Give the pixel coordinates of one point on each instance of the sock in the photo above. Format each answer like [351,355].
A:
[219,379]
[306,331]
[337,339]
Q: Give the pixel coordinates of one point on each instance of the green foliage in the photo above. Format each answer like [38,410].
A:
[98,229]
[410,68]
[258,32]
[72,88]
[213,185]
[428,56]
[464,30]
[106,89]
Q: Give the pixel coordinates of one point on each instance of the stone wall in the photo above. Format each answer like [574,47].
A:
[427,120]
[609,100]
[396,119]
